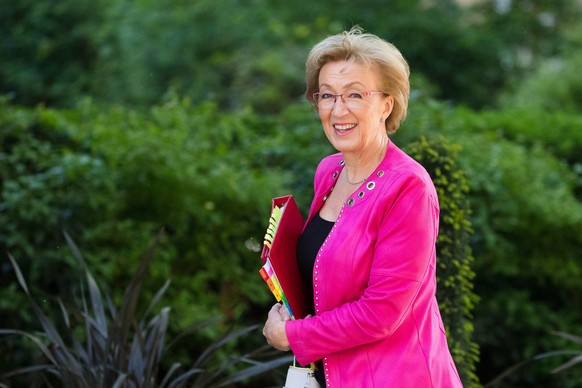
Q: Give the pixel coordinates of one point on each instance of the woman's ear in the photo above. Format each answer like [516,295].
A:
[388,106]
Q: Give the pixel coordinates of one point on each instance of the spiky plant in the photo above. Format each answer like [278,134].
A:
[118,350]
[576,353]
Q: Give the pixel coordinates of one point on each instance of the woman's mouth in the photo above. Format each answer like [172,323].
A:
[343,128]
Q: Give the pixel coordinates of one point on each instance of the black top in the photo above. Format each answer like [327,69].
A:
[308,246]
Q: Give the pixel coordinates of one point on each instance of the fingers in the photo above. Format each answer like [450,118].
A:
[280,311]
[274,329]
[275,312]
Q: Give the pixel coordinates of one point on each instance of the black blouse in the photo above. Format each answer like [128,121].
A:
[308,245]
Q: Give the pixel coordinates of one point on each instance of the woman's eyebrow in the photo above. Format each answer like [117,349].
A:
[351,84]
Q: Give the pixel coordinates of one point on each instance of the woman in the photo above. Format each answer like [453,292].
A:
[368,246]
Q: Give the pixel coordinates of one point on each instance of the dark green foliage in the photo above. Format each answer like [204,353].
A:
[555,87]
[47,182]
[250,54]
[47,49]
[576,353]
[454,257]
[527,217]
[207,177]
[114,176]
[119,350]
[527,221]
[199,173]
[560,133]
[573,358]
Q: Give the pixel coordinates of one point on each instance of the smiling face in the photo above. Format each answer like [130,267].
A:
[357,129]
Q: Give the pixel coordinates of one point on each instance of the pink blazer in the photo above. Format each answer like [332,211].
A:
[377,321]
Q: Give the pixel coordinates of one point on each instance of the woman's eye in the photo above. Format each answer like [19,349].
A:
[356,95]
[326,96]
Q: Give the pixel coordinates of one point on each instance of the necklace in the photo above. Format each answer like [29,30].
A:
[354,183]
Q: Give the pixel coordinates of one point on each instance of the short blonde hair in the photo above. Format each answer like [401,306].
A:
[382,57]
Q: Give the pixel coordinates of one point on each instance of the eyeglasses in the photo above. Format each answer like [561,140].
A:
[353,99]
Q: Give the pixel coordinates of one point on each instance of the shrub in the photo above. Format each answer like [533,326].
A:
[47,183]
[454,258]
[49,50]
[554,87]
[117,348]
[523,172]
[204,176]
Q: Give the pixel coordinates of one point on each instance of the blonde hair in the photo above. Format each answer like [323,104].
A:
[382,57]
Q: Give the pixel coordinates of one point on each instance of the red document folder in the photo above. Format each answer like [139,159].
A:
[282,254]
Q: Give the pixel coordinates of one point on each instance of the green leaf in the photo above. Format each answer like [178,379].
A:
[574,338]
[211,349]
[569,364]
[19,276]
[48,354]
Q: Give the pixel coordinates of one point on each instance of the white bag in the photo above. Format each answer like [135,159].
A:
[300,378]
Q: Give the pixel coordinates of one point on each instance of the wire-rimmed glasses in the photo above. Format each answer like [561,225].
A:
[353,99]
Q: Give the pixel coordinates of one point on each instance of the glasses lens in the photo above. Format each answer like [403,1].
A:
[326,102]
[323,100]
[354,99]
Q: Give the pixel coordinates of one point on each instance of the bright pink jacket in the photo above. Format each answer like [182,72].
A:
[377,321]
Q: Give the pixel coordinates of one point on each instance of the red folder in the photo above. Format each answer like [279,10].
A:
[282,254]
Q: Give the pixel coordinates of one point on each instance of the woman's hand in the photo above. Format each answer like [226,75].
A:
[274,330]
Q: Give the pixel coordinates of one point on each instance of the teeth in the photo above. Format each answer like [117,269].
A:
[344,127]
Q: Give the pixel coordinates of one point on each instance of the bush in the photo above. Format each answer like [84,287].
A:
[527,223]
[554,85]
[118,349]
[114,178]
[49,50]
[454,258]
[47,182]
[204,176]
[522,168]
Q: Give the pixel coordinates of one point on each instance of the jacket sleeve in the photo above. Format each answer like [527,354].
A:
[404,249]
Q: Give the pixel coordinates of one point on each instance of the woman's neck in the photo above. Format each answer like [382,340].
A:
[359,166]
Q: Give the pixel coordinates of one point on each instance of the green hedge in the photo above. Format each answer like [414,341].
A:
[524,173]
[454,257]
[113,178]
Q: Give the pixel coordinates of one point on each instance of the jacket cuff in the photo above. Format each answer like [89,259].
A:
[293,331]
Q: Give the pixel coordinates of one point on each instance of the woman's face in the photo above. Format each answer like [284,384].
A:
[357,126]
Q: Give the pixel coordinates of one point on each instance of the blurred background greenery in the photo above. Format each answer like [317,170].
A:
[118,118]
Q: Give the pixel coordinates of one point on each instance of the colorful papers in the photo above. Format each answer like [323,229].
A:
[274,220]
[280,270]
[272,281]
